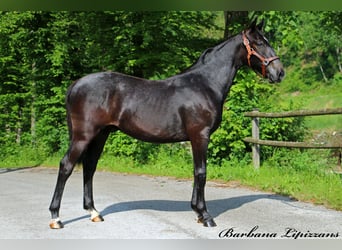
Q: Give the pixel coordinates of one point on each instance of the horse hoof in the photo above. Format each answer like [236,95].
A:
[209,223]
[97,218]
[56,224]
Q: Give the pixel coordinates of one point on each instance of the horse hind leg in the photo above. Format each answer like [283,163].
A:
[90,159]
[65,169]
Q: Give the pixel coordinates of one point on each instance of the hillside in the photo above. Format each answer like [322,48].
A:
[319,95]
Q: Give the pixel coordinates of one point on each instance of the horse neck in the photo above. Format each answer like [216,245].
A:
[219,66]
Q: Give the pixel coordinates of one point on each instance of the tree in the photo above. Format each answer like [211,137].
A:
[234,21]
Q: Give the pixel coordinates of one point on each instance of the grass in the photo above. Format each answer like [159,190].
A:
[24,156]
[304,186]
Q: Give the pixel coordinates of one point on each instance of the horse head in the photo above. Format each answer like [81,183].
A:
[261,57]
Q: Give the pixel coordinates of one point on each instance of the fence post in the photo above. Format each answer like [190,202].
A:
[255,135]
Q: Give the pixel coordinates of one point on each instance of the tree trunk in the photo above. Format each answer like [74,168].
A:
[231,17]
[33,120]
[7,125]
[33,109]
[19,128]
[338,53]
[322,71]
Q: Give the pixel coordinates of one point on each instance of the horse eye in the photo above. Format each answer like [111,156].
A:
[259,43]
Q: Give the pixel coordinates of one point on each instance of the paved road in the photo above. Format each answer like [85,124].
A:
[150,207]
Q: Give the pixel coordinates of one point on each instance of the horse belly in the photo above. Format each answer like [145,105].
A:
[153,126]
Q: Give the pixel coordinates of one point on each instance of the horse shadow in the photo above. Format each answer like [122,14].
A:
[216,207]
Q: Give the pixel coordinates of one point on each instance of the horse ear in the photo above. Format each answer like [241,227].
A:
[260,26]
[252,26]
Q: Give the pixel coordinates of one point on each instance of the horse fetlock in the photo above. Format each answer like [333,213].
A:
[206,221]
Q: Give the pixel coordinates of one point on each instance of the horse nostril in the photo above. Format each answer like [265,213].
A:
[281,74]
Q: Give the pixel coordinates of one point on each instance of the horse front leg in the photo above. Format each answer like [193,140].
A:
[198,204]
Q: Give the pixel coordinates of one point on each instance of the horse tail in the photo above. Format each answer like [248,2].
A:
[68,109]
[68,104]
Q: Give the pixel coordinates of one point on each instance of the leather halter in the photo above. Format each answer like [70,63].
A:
[251,51]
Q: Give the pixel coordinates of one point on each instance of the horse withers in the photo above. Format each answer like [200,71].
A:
[184,107]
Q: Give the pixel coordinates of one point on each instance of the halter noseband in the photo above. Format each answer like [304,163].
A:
[250,51]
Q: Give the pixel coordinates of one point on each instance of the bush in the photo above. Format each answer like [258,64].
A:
[119,144]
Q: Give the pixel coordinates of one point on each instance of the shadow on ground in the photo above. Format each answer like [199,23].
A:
[8,170]
[216,207]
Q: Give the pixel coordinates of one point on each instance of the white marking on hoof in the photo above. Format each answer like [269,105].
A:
[56,220]
[93,214]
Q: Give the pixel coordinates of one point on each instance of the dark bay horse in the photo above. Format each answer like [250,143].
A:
[184,107]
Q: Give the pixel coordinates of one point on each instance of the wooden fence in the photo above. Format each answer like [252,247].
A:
[256,115]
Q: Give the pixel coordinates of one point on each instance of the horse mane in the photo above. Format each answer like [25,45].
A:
[202,59]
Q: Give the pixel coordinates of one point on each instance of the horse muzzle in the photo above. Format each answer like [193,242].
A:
[275,72]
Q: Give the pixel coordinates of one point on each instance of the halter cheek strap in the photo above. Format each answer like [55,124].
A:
[250,51]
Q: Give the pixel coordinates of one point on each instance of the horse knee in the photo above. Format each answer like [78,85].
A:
[65,171]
